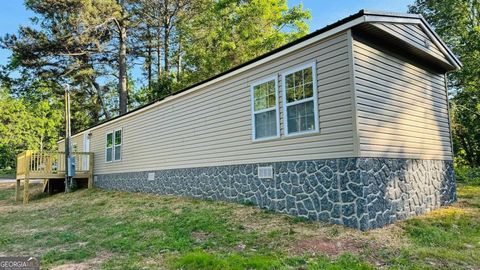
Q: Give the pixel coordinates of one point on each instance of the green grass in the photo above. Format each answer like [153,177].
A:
[203,260]
[115,230]
[449,237]
[71,255]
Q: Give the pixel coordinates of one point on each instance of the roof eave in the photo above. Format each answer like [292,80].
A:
[360,17]
[454,59]
[376,16]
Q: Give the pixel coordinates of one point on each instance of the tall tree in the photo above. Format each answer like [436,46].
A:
[121,24]
[458,23]
[147,37]
[68,43]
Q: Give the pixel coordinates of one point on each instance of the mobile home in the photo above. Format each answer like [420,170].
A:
[348,124]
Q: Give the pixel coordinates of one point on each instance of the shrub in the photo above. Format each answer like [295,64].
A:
[468,175]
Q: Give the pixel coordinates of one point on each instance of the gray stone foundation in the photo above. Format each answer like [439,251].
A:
[362,193]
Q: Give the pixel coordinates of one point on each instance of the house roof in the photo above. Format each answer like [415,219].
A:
[360,17]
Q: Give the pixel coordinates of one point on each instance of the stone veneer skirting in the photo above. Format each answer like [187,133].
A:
[362,193]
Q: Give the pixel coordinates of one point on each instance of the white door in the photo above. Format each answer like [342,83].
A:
[86,148]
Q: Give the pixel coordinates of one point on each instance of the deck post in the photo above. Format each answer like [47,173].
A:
[50,187]
[17,190]
[26,191]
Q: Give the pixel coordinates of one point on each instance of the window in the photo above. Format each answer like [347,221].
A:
[113,148]
[117,150]
[109,148]
[300,100]
[265,123]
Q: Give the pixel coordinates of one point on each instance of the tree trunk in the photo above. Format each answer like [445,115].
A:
[122,65]
[166,51]
[179,57]
[99,93]
[166,35]
[159,51]
[149,59]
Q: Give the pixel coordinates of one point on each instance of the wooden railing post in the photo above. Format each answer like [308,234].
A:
[26,185]
[27,161]
[48,163]
[20,170]
[17,166]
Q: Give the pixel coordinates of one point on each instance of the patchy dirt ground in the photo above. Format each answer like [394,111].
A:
[94,263]
[94,229]
[322,245]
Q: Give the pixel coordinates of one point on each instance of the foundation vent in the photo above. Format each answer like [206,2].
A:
[151,176]
[265,172]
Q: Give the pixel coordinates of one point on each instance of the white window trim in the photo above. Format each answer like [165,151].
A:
[106,147]
[253,112]
[113,146]
[121,144]
[312,65]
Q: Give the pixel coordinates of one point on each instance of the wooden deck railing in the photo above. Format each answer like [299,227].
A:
[48,163]
[34,164]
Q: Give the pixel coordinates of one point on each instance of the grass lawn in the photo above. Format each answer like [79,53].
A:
[115,230]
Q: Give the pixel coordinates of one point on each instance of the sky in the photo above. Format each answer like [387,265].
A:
[324,12]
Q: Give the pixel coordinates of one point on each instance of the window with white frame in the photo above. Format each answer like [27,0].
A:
[117,145]
[109,148]
[265,123]
[113,147]
[300,100]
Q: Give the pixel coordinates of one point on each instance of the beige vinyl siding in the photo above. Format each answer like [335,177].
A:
[76,139]
[402,109]
[414,34]
[212,126]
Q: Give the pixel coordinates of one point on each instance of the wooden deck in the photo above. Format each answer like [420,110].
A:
[49,166]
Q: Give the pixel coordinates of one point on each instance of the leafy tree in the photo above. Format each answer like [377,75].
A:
[458,23]
[26,126]
[227,33]
[68,42]
[14,129]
